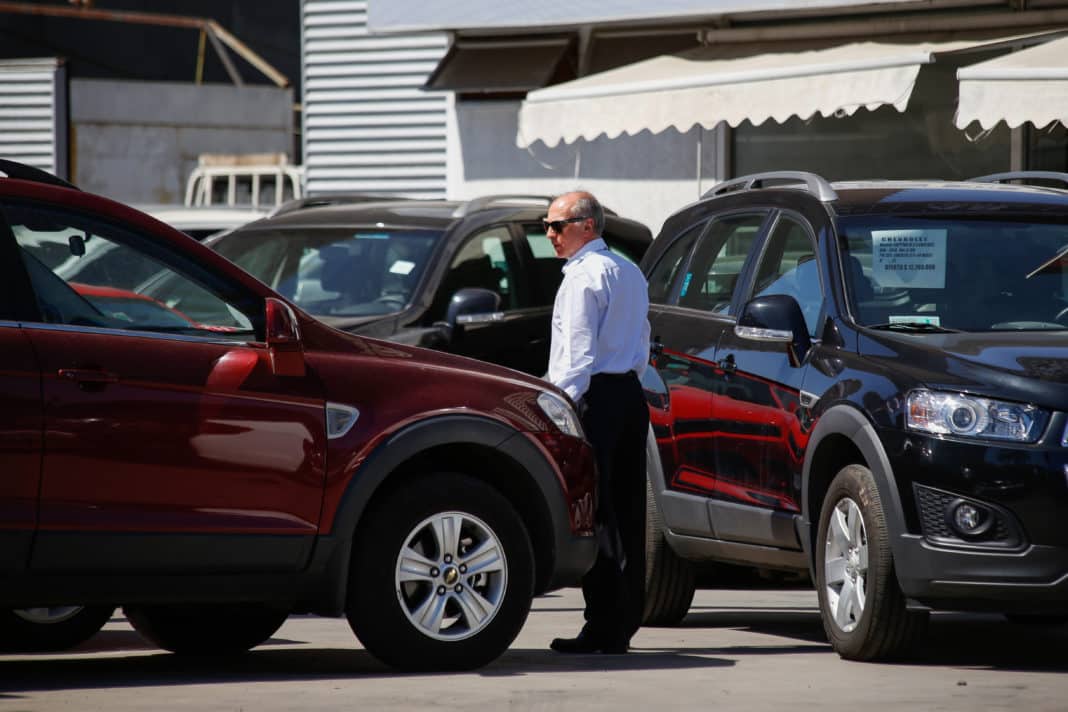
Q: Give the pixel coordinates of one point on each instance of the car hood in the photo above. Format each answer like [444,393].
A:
[1023,366]
[331,339]
[352,323]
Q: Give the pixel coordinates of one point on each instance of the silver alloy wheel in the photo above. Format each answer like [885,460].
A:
[451,576]
[845,565]
[47,615]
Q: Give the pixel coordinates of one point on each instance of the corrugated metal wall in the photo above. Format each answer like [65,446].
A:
[368,127]
[33,113]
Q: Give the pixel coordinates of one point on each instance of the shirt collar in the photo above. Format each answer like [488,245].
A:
[592,246]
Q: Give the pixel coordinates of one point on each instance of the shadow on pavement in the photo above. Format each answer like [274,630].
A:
[990,642]
[263,664]
[788,624]
[958,640]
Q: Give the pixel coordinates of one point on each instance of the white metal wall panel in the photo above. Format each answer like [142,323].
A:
[423,15]
[28,113]
[368,126]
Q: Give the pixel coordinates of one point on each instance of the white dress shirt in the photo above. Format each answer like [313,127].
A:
[600,319]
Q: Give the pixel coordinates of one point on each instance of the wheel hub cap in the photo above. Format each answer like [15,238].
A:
[845,565]
[451,576]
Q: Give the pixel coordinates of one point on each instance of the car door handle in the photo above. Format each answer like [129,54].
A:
[88,376]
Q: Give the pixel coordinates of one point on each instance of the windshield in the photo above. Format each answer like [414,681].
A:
[955,273]
[335,272]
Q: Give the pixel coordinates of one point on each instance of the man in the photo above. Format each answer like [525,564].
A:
[600,347]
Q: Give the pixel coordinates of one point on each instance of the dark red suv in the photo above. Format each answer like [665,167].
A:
[216,465]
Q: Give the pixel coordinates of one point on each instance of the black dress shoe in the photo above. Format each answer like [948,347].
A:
[581,644]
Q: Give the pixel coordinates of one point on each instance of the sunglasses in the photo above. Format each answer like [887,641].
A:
[558,225]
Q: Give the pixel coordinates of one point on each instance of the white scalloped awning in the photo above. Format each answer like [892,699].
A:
[702,87]
[1029,85]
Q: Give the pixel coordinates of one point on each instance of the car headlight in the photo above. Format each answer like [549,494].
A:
[561,413]
[970,417]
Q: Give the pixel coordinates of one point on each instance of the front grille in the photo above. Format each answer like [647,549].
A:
[934,506]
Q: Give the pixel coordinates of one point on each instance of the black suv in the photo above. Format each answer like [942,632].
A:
[476,278]
[867,382]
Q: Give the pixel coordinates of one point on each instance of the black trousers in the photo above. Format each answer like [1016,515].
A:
[616,419]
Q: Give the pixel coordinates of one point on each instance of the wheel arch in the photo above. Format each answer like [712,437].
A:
[477,446]
[844,436]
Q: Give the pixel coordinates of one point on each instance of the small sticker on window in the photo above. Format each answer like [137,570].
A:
[916,319]
[686,284]
[371,236]
[402,267]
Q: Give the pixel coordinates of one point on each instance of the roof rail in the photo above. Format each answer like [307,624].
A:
[21,171]
[1022,175]
[315,201]
[487,201]
[817,185]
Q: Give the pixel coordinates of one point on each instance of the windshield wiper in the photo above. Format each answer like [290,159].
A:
[913,326]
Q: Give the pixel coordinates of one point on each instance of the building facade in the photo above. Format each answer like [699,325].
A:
[649,105]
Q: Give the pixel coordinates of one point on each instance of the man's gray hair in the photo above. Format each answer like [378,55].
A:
[588,206]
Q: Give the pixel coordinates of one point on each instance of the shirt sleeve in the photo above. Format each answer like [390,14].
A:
[580,314]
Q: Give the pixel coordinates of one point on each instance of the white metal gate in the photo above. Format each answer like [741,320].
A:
[368,127]
[33,113]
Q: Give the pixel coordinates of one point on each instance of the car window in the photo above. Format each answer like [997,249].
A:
[709,281]
[100,280]
[487,260]
[788,266]
[335,272]
[662,276]
[547,268]
[956,273]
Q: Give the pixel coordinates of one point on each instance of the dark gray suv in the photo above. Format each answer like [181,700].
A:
[475,278]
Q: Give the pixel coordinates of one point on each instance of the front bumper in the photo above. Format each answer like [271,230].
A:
[1032,580]
[573,561]
[1021,562]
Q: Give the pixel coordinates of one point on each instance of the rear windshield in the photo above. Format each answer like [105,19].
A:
[956,273]
[335,272]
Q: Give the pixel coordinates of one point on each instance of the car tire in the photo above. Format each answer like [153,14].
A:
[861,604]
[669,579]
[207,629]
[413,602]
[43,629]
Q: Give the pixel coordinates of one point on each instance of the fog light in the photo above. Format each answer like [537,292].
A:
[968,519]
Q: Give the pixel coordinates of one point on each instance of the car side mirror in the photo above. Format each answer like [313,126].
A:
[473,305]
[776,318]
[284,345]
[76,243]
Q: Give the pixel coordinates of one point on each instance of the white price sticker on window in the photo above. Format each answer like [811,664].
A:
[909,258]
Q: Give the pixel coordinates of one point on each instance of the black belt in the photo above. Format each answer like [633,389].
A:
[615,376]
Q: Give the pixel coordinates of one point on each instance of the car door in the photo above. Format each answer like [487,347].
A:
[686,333]
[21,420]
[170,445]
[760,459]
[515,335]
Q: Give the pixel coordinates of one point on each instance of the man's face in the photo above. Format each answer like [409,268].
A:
[573,235]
